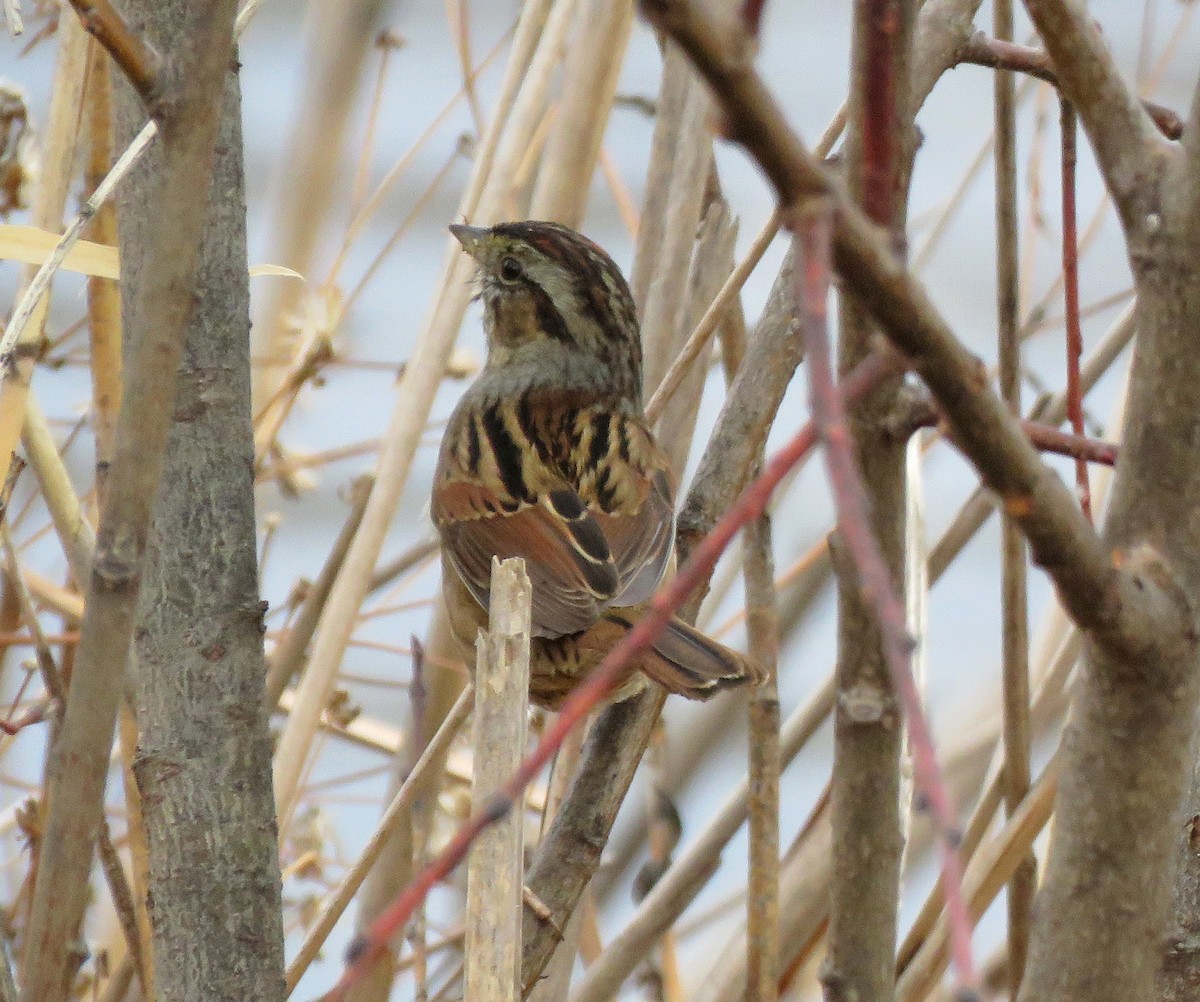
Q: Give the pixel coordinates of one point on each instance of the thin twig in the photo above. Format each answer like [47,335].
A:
[1013,602]
[129,51]
[1070,259]
[762,900]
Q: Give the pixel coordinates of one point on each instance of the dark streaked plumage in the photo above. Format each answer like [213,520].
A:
[548,457]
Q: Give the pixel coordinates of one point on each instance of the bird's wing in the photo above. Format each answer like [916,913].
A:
[495,496]
[578,491]
[630,490]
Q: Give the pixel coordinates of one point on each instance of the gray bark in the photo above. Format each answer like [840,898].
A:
[204,756]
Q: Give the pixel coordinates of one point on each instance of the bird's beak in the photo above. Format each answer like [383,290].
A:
[471,237]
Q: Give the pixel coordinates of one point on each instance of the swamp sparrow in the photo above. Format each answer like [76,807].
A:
[548,457]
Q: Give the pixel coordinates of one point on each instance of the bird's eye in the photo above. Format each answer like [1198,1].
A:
[510,269]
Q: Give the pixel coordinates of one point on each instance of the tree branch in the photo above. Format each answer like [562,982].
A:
[133,56]
[1133,613]
[865,788]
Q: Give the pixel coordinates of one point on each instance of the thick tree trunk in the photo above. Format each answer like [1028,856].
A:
[204,757]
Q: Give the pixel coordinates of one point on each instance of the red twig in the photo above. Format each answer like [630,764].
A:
[752,502]
[1082,449]
[1070,256]
[1045,437]
[813,229]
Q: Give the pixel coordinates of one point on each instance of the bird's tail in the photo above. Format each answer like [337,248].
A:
[686,662]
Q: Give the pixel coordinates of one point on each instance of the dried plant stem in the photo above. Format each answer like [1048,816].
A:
[341,40]
[104,298]
[74,531]
[762,899]
[18,345]
[988,802]
[396,811]
[158,312]
[987,875]
[1014,612]
[497,862]
[711,320]
[601,34]
[555,982]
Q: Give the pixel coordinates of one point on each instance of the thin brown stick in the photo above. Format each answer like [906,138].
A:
[123,901]
[158,312]
[1070,259]
[762,899]
[129,51]
[104,299]
[1013,601]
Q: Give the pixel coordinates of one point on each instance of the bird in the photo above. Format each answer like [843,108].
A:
[548,457]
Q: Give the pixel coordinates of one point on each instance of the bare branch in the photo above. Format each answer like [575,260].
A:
[1136,617]
[872,571]
[136,59]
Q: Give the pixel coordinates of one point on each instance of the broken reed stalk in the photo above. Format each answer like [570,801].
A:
[496,866]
